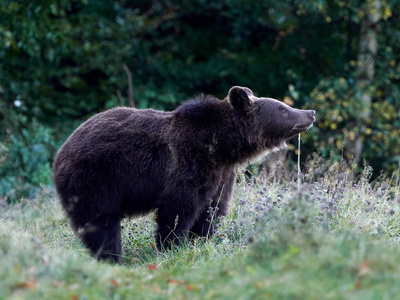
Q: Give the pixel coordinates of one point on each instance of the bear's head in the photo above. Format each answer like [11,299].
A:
[274,121]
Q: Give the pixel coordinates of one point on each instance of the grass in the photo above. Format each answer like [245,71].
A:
[334,238]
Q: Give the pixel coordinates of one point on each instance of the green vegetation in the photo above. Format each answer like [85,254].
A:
[62,61]
[332,239]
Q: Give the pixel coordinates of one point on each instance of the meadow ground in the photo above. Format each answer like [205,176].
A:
[334,238]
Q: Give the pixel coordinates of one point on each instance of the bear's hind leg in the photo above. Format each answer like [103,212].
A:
[102,236]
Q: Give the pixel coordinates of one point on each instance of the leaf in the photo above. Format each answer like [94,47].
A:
[288,101]
[58,284]
[31,284]
[151,267]
[364,268]
[174,281]
[114,282]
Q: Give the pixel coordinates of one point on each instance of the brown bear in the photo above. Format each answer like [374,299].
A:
[125,162]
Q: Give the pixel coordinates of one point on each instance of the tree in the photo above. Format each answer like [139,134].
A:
[368,47]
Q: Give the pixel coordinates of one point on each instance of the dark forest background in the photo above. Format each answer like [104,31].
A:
[63,61]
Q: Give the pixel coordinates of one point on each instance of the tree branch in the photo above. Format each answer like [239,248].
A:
[131,100]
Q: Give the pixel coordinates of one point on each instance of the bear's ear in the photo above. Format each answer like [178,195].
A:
[239,97]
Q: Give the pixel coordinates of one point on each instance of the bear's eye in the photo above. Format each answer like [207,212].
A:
[282,109]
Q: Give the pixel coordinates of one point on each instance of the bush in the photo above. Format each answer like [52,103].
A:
[26,151]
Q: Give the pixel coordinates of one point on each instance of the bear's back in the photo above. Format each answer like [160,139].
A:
[114,130]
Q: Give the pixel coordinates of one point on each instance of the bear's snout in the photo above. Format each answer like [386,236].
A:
[312,114]
[304,121]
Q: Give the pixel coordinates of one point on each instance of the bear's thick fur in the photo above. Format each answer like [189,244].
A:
[126,162]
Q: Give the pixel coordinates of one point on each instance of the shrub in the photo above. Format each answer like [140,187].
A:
[26,150]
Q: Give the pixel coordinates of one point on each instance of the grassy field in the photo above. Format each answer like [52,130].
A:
[333,238]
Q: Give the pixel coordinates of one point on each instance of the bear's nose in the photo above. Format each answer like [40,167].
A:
[312,112]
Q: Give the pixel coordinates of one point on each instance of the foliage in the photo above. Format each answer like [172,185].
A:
[337,97]
[25,154]
[331,239]
[64,61]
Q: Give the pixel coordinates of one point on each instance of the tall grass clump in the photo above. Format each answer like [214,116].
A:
[329,200]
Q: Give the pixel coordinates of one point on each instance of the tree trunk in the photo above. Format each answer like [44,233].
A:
[365,75]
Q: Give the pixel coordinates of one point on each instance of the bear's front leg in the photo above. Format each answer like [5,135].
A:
[209,217]
[174,219]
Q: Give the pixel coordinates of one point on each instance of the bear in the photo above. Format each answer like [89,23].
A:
[126,162]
